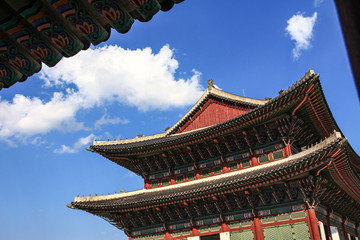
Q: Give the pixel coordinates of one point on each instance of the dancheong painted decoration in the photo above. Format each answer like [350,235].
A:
[33,32]
[239,168]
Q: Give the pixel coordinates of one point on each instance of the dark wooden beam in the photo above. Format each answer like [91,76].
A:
[209,150]
[200,152]
[275,195]
[146,160]
[189,151]
[269,132]
[237,142]
[257,135]
[237,200]
[218,148]
[227,144]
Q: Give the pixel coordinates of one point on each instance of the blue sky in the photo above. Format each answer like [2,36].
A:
[142,82]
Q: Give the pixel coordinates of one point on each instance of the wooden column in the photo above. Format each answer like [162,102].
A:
[225,227]
[314,229]
[344,229]
[258,229]
[147,184]
[167,236]
[197,174]
[172,179]
[254,161]
[225,168]
[195,231]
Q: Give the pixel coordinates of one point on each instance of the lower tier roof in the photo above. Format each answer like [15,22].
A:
[310,159]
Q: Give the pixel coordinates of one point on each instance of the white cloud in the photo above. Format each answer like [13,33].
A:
[81,142]
[300,29]
[107,120]
[98,77]
[137,78]
[24,116]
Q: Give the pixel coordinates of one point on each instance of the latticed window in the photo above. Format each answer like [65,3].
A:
[242,235]
[288,231]
[165,181]
[263,158]
[233,166]
[278,154]
[190,176]
[154,183]
[205,172]
[179,178]
[245,163]
[217,170]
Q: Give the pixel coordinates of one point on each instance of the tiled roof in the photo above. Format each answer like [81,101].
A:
[36,32]
[198,187]
[169,138]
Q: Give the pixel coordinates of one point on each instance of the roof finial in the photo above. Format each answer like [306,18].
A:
[210,84]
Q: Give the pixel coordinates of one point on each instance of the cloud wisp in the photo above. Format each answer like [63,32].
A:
[104,120]
[79,144]
[300,29]
[99,77]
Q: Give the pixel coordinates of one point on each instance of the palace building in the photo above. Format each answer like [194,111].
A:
[239,168]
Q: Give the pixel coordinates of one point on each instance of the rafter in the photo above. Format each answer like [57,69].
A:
[261,196]
[209,150]
[269,132]
[245,135]
[207,208]
[238,202]
[217,145]
[146,160]
[200,152]
[227,144]
[173,158]
[274,193]
[237,142]
[189,151]
[257,135]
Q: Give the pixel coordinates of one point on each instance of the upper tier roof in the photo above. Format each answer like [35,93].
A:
[33,32]
[307,87]
[213,101]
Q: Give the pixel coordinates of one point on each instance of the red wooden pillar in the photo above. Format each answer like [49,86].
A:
[225,168]
[314,229]
[288,147]
[172,179]
[224,227]
[167,236]
[147,184]
[195,231]
[254,161]
[258,229]
[130,238]
[197,174]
